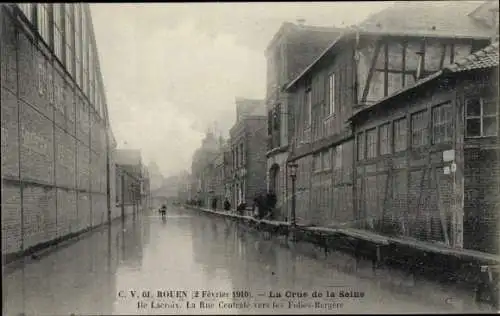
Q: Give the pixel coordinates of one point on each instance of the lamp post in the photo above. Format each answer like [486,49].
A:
[293,174]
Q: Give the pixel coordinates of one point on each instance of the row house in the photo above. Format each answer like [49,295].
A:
[427,160]
[387,52]
[248,151]
[128,181]
[290,51]
[202,157]
[217,178]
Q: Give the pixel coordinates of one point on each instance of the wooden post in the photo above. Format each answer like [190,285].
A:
[442,216]
[458,219]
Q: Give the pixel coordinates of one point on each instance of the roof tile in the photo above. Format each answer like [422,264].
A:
[484,58]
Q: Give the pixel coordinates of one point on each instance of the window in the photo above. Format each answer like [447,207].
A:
[236,157]
[85,57]
[276,117]
[43,21]
[481,117]
[361,146]
[326,159]
[331,94]
[78,43]
[337,153]
[50,80]
[442,126]
[371,143]
[242,154]
[317,162]
[419,133]
[308,109]
[69,33]
[58,30]
[400,129]
[27,9]
[270,122]
[384,137]
[91,76]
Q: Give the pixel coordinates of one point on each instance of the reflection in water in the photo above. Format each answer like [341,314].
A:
[192,251]
[260,265]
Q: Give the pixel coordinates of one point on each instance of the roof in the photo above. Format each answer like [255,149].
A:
[128,156]
[482,59]
[451,20]
[413,19]
[345,35]
[285,26]
[248,107]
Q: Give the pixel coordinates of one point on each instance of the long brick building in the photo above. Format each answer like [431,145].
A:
[55,126]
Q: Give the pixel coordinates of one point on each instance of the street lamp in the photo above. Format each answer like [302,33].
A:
[293,174]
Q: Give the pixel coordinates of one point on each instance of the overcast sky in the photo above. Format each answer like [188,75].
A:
[170,70]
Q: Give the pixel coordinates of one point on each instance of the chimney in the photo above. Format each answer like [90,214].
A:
[301,22]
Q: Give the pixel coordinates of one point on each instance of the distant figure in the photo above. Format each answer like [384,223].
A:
[214,203]
[241,208]
[227,205]
[259,206]
[163,210]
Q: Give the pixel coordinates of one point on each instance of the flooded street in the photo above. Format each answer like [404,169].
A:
[195,264]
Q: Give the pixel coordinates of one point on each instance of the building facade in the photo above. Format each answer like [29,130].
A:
[248,149]
[290,51]
[55,125]
[129,181]
[382,55]
[427,160]
[200,174]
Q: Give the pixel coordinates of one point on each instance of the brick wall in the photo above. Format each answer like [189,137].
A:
[398,193]
[11,218]
[45,153]
[10,137]
[481,217]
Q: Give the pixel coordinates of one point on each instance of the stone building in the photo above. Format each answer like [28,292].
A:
[55,125]
[290,51]
[387,52]
[248,148]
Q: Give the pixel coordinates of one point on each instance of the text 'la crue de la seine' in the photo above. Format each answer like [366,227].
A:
[205,294]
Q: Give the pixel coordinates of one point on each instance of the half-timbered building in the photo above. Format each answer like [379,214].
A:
[427,163]
[389,51]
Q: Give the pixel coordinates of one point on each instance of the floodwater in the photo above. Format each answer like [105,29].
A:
[192,263]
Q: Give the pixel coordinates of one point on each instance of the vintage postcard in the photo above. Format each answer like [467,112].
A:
[250,158]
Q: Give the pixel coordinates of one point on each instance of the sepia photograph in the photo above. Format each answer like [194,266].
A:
[249,158]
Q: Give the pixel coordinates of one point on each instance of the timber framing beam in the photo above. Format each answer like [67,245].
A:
[370,72]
